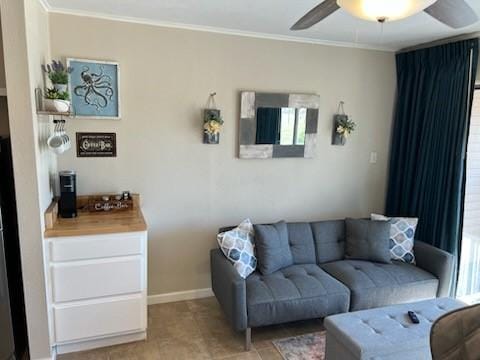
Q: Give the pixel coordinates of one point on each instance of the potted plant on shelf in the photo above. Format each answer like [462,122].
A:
[211,127]
[58,75]
[56,101]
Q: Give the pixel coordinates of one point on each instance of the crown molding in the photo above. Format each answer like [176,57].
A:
[211,29]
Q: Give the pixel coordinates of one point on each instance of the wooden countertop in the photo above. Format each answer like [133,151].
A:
[93,223]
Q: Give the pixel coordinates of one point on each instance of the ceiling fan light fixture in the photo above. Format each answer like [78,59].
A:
[382,10]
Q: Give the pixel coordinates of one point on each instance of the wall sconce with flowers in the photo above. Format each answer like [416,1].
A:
[343,126]
[212,122]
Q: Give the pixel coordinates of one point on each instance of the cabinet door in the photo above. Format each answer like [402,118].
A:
[99,318]
[72,281]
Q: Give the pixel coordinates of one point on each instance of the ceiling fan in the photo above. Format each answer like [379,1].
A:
[453,13]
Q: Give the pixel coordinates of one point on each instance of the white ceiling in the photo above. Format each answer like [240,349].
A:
[269,18]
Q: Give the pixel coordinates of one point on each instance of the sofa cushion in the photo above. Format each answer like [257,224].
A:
[375,284]
[367,240]
[300,238]
[237,245]
[329,237]
[402,237]
[297,292]
[272,247]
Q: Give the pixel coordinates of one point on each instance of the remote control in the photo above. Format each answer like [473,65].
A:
[413,317]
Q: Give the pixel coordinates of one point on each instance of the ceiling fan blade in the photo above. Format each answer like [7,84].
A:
[317,14]
[454,13]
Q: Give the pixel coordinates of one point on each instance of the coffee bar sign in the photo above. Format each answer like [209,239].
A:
[96,144]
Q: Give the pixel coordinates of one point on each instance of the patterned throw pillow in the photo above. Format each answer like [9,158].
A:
[238,246]
[402,235]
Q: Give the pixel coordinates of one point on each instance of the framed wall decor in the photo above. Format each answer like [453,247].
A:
[95,88]
[278,125]
[90,144]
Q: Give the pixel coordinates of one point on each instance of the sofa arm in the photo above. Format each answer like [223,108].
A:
[230,290]
[437,262]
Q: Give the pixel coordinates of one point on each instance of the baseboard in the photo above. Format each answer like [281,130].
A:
[179,296]
[100,342]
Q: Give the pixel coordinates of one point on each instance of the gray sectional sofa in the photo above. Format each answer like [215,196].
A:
[321,282]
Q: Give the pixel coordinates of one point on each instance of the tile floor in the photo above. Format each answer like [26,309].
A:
[197,329]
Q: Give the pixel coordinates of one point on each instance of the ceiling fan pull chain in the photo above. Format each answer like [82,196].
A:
[356,32]
[382,27]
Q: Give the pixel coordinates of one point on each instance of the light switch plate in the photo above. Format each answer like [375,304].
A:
[373,157]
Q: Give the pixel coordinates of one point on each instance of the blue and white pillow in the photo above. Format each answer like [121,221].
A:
[238,246]
[402,235]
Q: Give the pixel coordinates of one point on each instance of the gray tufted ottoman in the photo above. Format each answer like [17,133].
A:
[385,333]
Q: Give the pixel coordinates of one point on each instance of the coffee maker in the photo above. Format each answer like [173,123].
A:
[67,206]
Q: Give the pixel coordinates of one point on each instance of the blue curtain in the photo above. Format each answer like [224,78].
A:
[428,152]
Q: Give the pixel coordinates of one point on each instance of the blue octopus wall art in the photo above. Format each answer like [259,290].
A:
[96,89]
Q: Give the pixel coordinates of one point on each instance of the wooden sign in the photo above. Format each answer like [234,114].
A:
[96,145]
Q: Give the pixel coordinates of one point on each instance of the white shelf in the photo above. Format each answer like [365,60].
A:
[54,113]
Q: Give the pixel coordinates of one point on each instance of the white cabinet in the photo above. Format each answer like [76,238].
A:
[97,289]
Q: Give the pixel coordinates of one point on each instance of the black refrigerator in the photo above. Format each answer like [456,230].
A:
[13,325]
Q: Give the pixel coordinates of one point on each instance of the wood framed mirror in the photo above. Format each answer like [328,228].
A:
[278,125]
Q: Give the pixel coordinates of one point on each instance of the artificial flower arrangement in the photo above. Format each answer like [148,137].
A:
[212,125]
[345,126]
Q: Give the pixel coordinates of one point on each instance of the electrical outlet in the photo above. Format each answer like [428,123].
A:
[373,157]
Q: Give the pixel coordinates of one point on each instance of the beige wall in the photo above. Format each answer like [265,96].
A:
[190,189]
[32,162]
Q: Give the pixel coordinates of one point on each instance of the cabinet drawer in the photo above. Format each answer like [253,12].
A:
[95,278]
[76,322]
[96,246]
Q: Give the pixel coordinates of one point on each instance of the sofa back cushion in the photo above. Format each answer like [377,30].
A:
[272,247]
[367,240]
[329,238]
[317,242]
[302,246]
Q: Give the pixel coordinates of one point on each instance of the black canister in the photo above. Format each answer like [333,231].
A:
[67,206]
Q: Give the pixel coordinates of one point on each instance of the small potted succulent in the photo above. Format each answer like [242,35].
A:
[343,128]
[56,101]
[212,124]
[58,75]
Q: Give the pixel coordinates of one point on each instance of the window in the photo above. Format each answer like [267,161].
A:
[469,277]
[293,126]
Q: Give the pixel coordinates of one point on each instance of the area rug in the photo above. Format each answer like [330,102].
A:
[303,347]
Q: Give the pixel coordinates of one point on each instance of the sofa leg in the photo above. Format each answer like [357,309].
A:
[248,339]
